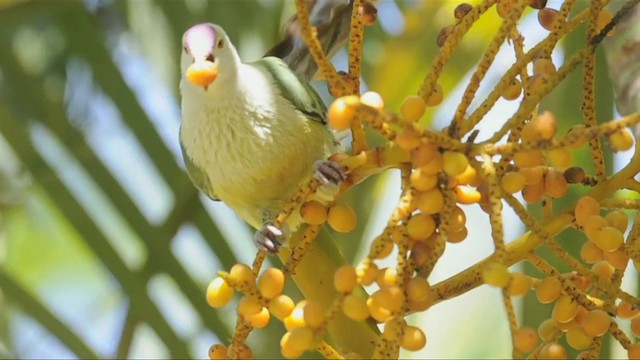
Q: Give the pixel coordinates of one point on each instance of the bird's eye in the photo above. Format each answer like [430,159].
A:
[220,43]
[186,49]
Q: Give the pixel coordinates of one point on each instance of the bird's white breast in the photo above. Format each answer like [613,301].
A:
[254,146]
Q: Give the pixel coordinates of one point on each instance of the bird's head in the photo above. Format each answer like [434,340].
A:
[207,52]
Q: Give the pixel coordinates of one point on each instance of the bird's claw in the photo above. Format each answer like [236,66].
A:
[269,238]
[328,171]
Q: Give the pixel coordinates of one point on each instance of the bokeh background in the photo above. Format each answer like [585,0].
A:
[105,246]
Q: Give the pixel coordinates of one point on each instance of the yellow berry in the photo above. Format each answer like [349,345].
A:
[621,140]
[547,16]
[578,339]
[387,277]
[381,247]
[422,181]
[413,339]
[603,269]
[548,290]
[313,314]
[553,351]
[342,112]
[585,207]
[281,306]
[372,99]
[468,176]
[532,175]
[408,138]
[454,162]
[355,307]
[249,305]
[376,311]
[345,279]
[288,350]
[560,158]
[423,154]
[618,219]
[260,319]
[594,224]
[271,283]
[421,226]
[368,274]
[512,182]
[525,339]
[504,7]
[496,274]
[390,297]
[313,213]
[242,273]
[543,66]
[596,323]
[217,352]
[296,318]
[301,338]
[456,236]
[434,165]
[513,90]
[590,252]
[342,218]
[431,201]
[546,329]
[436,96]
[608,238]
[528,159]
[564,309]
[555,185]
[418,289]
[519,285]
[219,293]
[467,195]
[412,108]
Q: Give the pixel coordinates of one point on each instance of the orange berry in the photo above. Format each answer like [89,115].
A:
[590,252]
[546,329]
[423,154]
[548,290]
[468,176]
[608,238]
[555,185]
[565,309]
[633,351]
[543,66]
[625,310]
[413,339]
[533,193]
[342,112]
[467,195]
[618,219]
[218,352]
[418,289]
[525,339]
[422,181]
[578,339]
[604,18]
[412,108]
[434,165]
[532,175]
[421,226]
[635,326]
[342,218]
[618,259]
[408,138]
[390,297]
[376,311]
[553,350]
[596,323]
[603,269]
[560,158]
[519,285]
[528,159]
[387,277]
[513,90]
[313,213]
[260,319]
[585,207]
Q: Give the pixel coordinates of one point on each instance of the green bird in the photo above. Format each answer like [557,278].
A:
[252,133]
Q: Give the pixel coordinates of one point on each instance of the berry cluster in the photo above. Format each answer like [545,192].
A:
[441,175]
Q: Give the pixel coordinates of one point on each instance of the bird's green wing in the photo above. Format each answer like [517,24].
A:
[298,92]
[198,177]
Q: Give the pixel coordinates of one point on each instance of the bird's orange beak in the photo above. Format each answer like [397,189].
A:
[202,73]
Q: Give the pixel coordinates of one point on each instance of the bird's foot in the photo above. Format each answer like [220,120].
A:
[269,238]
[329,172]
